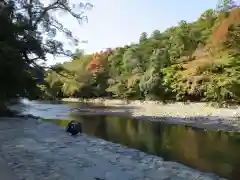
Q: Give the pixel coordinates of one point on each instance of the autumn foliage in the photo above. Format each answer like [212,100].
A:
[197,61]
[99,61]
[221,31]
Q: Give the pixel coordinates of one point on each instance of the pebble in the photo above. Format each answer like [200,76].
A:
[194,114]
[86,157]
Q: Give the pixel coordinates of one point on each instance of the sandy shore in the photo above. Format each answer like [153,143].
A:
[199,115]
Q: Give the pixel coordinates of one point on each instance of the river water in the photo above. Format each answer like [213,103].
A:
[208,151]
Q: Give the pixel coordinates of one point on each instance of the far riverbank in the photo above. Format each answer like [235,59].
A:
[200,115]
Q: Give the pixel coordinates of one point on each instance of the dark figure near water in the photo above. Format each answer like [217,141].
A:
[74,128]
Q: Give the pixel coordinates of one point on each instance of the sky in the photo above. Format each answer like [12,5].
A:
[113,23]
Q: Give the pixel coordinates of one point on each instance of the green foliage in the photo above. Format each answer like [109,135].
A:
[143,37]
[23,25]
[177,64]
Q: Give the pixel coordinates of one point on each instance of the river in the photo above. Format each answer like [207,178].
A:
[208,151]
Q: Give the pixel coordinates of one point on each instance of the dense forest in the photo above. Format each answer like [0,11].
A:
[192,61]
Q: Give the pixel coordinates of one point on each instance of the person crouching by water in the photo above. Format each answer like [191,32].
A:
[74,128]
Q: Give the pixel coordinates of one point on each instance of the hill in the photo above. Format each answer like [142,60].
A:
[215,55]
[192,61]
[221,31]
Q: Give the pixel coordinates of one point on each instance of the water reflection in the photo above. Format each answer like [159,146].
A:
[216,152]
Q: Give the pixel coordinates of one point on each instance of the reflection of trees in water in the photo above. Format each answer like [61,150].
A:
[59,122]
[141,137]
[132,131]
[116,130]
[148,136]
[208,151]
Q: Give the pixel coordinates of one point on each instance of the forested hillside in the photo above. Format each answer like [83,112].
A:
[192,61]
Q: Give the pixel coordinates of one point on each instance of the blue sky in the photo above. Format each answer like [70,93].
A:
[119,22]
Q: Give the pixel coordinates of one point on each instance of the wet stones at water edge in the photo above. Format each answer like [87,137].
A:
[74,128]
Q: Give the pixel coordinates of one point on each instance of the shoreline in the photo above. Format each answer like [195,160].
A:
[44,150]
[198,115]
[110,101]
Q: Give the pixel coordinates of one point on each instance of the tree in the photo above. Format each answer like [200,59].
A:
[180,63]
[24,23]
[156,34]
[143,37]
[131,60]
[40,21]
[78,53]
[226,5]
[151,79]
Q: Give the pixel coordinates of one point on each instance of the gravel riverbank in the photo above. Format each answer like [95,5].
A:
[199,115]
[45,152]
